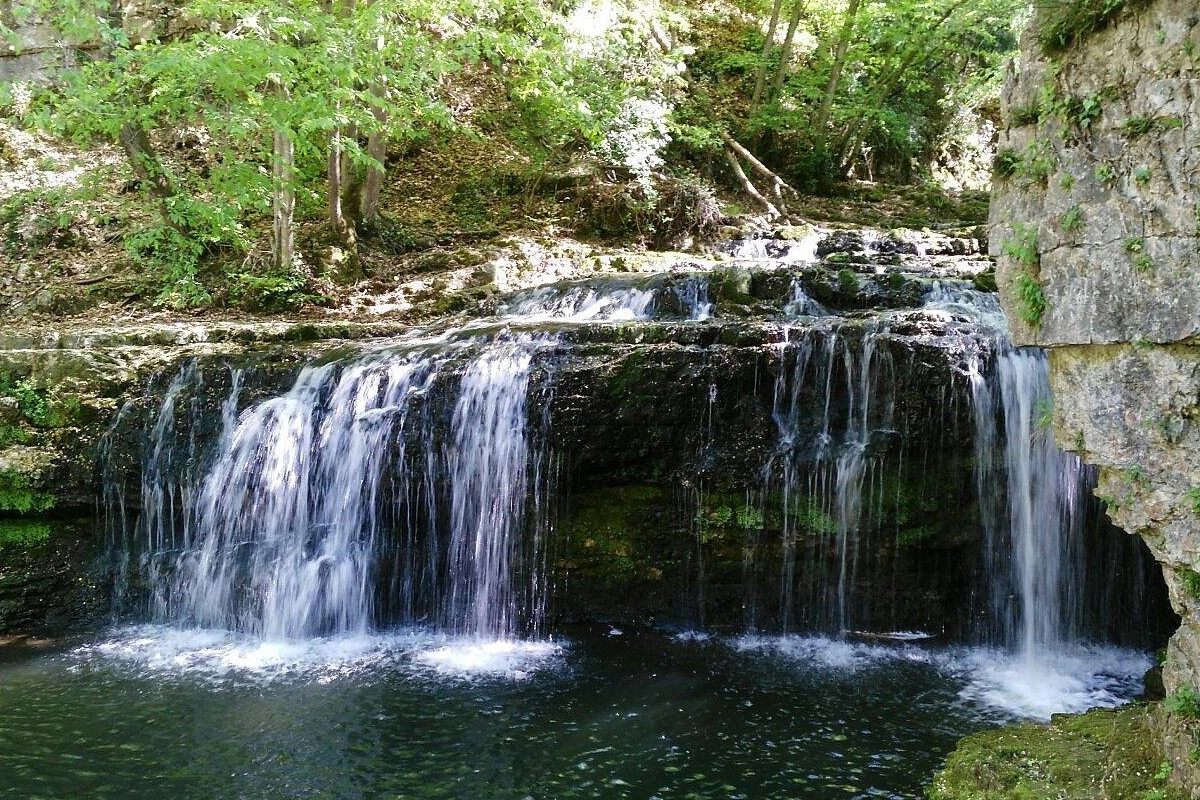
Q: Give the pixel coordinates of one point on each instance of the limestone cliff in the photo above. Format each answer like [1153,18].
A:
[1095,224]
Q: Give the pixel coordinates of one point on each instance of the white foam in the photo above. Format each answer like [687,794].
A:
[222,657]
[504,657]
[823,652]
[995,683]
[1039,685]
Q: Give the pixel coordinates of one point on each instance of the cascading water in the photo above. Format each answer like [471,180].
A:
[823,470]
[285,532]
[410,484]
[410,478]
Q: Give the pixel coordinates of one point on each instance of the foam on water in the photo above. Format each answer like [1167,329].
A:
[996,683]
[823,652]
[1016,685]
[225,657]
[503,657]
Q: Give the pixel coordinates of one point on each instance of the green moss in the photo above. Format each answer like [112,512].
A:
[38,405]
[609,534]
[1100,754]
[1190,580]
[848,281]
[915,535]
[22,533]
[17,495]
[985,281]
[721,515]
[808,516]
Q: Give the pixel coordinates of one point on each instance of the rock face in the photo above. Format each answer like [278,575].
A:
[1095,224]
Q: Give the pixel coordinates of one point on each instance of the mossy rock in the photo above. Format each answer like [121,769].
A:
[18,494]
[1101,755]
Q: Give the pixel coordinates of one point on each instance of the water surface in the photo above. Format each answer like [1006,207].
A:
[156,712]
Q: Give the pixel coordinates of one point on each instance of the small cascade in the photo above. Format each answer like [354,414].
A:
[488,466]
[788,251]
[581,304]
[828,473]
[692,294]
[283,532]
[801,305]
[612,301]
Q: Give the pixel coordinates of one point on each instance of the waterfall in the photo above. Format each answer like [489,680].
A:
[282,532]
[1042,516]
[1032,496]
[824,470]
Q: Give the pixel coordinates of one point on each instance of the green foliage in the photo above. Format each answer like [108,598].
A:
[1190,580]
[1072,220]
[325,75]
[272,292]
[1142,175]
[1193,499]
[1183,702]
[1006,162]
[17,495]
[1038,162]
[1136,248]
[1135,476]
[1061,24]
[37,406]
[1023,115]
[1105,174]
[23,533]
[1024,248]
[1031,300]
[1136,127]
[34,219]
[1043,413]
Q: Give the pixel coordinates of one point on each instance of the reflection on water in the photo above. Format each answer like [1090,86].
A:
[158,713]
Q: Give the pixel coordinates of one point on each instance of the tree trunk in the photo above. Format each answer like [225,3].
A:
[335,178]
[145,164]
[368,206]
[785,57]
[839,62]
[368,199]
[283,167]
[748,186]
[760,76]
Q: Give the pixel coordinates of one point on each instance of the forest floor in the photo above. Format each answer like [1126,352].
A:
[463,218]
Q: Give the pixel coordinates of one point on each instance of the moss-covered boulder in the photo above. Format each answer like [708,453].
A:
[1101,755]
